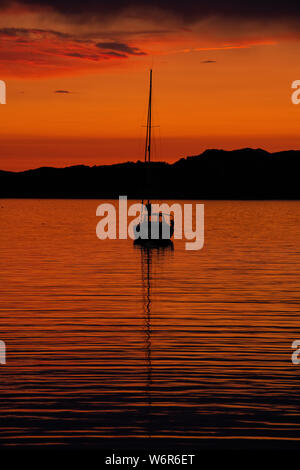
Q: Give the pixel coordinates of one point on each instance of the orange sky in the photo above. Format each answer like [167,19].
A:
[216,84]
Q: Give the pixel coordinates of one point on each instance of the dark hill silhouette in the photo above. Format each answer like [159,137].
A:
[215,174]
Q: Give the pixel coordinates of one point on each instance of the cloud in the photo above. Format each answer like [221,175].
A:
[120,47]
[62,91]
[208,61]
[69,38]
[188,11]
[116,54]
[44,52]
[31,33]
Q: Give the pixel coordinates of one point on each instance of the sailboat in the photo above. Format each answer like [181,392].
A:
[154,228]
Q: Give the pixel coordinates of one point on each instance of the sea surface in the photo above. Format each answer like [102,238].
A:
[109,344]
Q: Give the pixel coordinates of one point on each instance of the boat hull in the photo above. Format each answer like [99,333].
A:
[153,243]
[153,233]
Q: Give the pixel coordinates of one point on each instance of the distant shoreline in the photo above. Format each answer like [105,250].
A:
[245,174]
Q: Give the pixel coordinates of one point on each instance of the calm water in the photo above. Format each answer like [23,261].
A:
[107,343]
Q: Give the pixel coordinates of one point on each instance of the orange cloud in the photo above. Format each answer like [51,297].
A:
[35,45]
[38,52]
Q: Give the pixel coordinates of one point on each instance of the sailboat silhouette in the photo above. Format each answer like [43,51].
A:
[153,227]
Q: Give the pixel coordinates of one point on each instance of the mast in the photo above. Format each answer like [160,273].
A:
[148,133]
[149,124]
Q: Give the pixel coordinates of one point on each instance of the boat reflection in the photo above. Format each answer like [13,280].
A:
[151,257]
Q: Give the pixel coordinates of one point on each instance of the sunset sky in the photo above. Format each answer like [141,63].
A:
[77,79]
